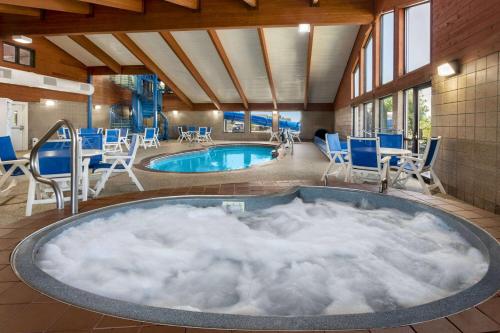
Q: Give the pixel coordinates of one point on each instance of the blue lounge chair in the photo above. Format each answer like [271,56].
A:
[337,156]
[418,166]
[148,138]
[119,164]
[201,135]
[112,140]
[365,161]
[54,161]
[10,165]
[388,140]
[89,130]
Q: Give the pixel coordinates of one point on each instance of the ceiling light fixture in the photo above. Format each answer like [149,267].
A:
[22,39]
[50,102]
[304,27]
[448,68]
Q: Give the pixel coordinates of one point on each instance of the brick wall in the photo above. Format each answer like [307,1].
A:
[465,112]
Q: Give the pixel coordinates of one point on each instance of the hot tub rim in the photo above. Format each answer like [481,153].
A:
[468,298]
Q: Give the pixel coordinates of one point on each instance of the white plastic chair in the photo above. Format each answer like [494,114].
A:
[112,140]
[10,166]
[156,137]
[295,136]
[338,157]
[202,135]
[123,139]
[366,162]
[148,138]
[119,164]
[419,165]
[183,135]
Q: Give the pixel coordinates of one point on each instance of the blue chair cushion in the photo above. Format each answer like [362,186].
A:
[106,166]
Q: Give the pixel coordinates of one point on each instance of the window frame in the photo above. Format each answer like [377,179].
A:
[381,47]
[224,123]
[380,103]
[365,67]
[365,118]
[357,68]
[17,51]
[405,34]
[271,128]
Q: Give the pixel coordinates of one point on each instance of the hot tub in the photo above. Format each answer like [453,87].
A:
[271,229]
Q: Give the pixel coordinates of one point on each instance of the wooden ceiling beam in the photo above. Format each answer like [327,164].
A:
[17,10]
[230,70]
[263,46]
[151,65]
[215,14]
[260,107]
[179,52]
[130,5]
[126,70]
[191,4]
[93,49]
[308,66]
[67,6]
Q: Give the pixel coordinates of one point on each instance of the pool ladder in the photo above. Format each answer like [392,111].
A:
[35,168]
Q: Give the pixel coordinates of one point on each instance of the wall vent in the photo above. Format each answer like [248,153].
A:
[50,81]
[5,73]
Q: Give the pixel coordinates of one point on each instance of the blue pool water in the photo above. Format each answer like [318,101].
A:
[213,159]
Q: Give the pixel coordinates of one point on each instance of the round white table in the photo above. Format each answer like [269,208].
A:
[395,151]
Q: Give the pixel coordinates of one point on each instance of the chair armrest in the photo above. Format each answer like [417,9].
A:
[386,159]
[21,161]
[411,158]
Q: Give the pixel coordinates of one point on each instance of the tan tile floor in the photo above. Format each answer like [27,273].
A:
[23,310]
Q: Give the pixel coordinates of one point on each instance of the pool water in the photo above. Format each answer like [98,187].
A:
[214,159]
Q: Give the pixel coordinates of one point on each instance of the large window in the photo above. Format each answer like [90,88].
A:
[387,47]
[18,55]
[357,122]
[355,81]
[234,122]
[261,121]
[417,36]
[369,121]
[368,60]
[386,114]
[290,120]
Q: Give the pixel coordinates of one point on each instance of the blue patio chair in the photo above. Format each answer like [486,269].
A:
[112,140]
[124,138]
[201,136]
[148,138]
[54,161]
[337,155]
[388,140]
[366,162]
[119,164]
[63,133]
[192,129]
[183,135]
[10,165]
[420,166]
[88,131]
[95,142]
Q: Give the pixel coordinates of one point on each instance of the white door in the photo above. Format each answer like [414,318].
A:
[19,125]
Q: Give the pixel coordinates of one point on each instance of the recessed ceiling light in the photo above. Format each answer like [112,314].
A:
[22,39]
[304,27]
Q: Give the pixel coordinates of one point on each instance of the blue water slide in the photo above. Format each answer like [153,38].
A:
[261,120]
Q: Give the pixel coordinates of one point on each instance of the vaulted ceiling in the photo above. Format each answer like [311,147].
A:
[256,60]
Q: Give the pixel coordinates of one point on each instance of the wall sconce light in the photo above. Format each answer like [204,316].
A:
[22,39]
[215,112]
[175,112]
[304,27]
[49,102]
[98,107]
[275,112]
[448,68]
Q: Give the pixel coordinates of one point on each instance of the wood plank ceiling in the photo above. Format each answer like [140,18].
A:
[262,66]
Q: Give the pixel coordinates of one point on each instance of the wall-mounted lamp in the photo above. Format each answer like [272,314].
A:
[448,68]
[98,107]
[22,39]
[304,27]
[215,112]
[49,102]
[175,112]
[275,112]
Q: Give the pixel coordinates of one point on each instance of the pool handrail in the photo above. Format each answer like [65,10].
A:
[35,168]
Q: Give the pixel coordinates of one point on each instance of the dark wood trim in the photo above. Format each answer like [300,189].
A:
[125,70]
[18,10]
[264,107]
[68,6]
[130,5]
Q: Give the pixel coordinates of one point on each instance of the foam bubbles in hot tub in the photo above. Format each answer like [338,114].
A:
[295,259]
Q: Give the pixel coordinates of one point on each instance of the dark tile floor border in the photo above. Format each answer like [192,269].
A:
[24,266]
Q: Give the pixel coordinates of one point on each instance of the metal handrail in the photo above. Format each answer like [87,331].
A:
[35,168]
